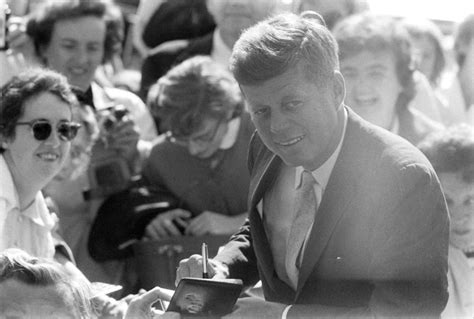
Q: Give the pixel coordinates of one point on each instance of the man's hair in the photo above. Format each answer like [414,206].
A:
[451,151]
[15,264]
[375,33]
[426,29]
[275,45]
[191,91]
[25,86]
[462,38]
[40,25]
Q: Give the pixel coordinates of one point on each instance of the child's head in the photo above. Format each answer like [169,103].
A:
[452,154]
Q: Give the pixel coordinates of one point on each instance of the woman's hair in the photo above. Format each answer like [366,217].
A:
[15,264]
[375,33]
[451,151]
[462,38]
[426,29]
[197,88]
[25,86]
[278,44]
[40,26]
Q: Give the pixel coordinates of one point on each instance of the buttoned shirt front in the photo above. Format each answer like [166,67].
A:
[30,229]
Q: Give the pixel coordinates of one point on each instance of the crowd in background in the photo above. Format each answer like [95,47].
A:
[121,125]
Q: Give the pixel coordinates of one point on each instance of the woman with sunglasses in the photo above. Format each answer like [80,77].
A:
[36,129]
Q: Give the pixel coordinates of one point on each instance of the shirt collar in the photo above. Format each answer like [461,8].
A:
[220,51]
[322,173]
[231,135]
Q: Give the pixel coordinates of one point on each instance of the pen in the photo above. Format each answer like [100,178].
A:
[205,274]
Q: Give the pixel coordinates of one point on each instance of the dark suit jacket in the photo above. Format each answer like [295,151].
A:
[157,65]
[380,236]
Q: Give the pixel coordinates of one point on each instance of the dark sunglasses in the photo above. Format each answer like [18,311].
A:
[42,129]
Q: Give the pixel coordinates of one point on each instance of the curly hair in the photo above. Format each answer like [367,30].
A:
[373,33]
[25,86]
[40,25]
[191,91]
[451,151]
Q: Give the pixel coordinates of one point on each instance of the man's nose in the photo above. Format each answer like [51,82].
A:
[278,121]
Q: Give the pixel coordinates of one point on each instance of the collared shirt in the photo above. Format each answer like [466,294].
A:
[220,51]
[30,229]
[231,135]
[278,200]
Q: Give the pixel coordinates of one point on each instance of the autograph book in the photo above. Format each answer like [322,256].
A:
[205,297]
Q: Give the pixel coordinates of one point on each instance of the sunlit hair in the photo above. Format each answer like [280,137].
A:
[278,44]
[375,33]
[420,29]
[197,88]
[41,24]
[451,151]
[24,87]
[463,36]
[17,265]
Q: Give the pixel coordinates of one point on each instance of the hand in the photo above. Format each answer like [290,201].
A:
[141,306]
[192,267]
[108,307]
[213,223]
[163,227]
[252,307]
[124,138]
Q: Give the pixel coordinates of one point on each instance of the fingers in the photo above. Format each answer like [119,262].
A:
[141,306]
[163,226]
[191,267]
[200,225]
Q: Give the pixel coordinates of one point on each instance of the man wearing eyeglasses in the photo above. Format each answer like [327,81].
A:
[201,159]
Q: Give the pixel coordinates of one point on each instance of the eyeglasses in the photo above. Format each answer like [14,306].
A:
[204,139]
[42,129]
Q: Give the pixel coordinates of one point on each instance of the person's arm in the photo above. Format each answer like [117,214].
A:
[215,223]
[145,11]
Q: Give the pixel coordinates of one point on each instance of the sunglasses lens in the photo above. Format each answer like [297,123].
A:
[68,131]
[42,130]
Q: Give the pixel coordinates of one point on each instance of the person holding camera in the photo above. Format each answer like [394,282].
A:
[75,38]
[201,159]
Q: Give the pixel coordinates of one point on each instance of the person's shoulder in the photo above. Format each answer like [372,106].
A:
[382,146]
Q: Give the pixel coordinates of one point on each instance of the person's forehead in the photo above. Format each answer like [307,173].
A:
[93,28]
[33,301]
[381,56]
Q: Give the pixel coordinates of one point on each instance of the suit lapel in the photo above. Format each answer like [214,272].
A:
[264,177]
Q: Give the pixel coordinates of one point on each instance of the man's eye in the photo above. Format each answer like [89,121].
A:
[293,104]
[260,111]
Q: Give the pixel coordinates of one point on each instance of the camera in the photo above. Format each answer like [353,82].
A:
[108,172]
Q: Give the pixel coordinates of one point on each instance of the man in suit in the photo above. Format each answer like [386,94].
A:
[376,60]
[231,18]
[375,243]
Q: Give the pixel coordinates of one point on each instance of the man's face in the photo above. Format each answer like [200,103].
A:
[466,74]
[460,199]
[372,86]
[297,119]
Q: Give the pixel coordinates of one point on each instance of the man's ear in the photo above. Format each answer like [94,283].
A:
[339,88]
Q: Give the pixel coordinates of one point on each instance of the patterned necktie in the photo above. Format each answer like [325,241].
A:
[305,206]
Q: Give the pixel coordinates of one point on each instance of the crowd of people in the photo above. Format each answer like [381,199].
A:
[332,146]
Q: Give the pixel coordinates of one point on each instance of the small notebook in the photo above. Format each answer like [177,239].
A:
[205,297]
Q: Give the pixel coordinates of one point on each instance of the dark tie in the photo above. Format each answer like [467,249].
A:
[305,206]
